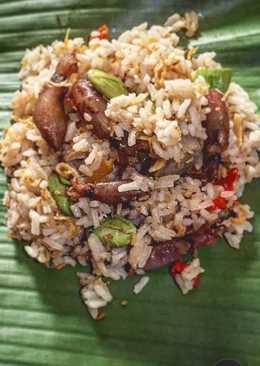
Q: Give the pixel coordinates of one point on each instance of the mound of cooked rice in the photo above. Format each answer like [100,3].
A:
[163,205]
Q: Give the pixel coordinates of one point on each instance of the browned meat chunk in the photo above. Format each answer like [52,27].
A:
[49,115]
[87,100]
[67,65]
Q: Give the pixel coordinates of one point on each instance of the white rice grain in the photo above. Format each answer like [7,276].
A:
[139,286]
[71,132]
[81,146]
[32,252]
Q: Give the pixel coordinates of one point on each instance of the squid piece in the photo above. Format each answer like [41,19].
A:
[106,192]
[217,124]
[49,115]
[217,127]
[86,100]
[166,252]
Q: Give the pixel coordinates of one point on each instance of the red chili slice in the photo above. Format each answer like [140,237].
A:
[218,203]
[228,182]
[196,281]
[103,32]
[178,267]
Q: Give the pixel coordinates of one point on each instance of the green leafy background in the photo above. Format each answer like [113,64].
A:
[42,321]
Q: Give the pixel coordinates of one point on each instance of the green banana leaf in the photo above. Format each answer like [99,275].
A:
[42,320]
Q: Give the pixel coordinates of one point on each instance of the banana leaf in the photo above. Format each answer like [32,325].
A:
[42,321]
